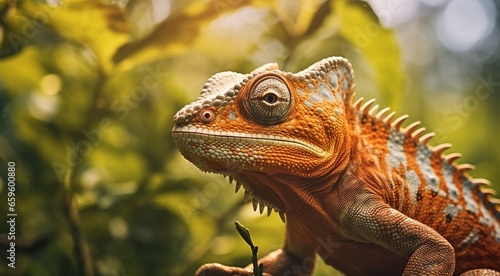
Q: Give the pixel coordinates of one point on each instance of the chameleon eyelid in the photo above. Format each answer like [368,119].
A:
[207,116]
[269,100]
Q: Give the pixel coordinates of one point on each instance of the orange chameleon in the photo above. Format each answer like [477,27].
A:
[357,189]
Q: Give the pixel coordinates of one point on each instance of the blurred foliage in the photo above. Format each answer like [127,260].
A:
[87,94]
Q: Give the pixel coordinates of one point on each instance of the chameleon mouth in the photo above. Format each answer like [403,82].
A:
[185,132]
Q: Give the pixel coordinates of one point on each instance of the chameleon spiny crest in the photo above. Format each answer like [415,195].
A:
[359,190]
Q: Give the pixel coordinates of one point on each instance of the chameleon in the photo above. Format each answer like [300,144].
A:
[353,186]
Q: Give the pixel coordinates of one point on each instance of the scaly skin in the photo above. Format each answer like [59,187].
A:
[367,196]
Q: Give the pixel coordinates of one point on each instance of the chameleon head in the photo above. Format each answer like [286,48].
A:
[268,124]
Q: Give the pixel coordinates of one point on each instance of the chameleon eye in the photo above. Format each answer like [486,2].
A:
[207,116]
[269,100]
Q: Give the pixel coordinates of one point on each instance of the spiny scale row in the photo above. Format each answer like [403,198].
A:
[415,133]
[256,202]
[411,130]
[320,69]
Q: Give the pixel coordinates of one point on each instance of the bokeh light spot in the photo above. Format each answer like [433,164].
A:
[463,24]
[118,228]
[394,13]
[50,84]
[433,3]
[43,107]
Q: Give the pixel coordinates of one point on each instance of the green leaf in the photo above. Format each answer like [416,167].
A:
[297,16]
[103,28]
[175,34]
[360,27]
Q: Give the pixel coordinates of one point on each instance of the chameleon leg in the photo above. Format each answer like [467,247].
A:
[428,252]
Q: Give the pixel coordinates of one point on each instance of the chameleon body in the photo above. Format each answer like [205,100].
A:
[365,194]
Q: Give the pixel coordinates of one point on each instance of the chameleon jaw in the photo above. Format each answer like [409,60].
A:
[204,140]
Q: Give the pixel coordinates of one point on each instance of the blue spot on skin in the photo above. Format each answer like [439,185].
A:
[467,188]
[333,80]
[308,103]
[345,84]
[315,97]
[232,115]
[452,210]
[325,92]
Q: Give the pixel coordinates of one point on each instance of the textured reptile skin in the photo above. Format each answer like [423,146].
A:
[355,188]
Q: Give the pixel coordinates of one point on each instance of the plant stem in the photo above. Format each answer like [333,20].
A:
[82,251]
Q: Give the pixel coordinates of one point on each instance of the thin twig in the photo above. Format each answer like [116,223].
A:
[258,269]
[82,251]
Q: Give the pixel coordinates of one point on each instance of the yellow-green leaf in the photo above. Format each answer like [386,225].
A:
[360,27]
[296,16]
[103,28]
[175,34]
